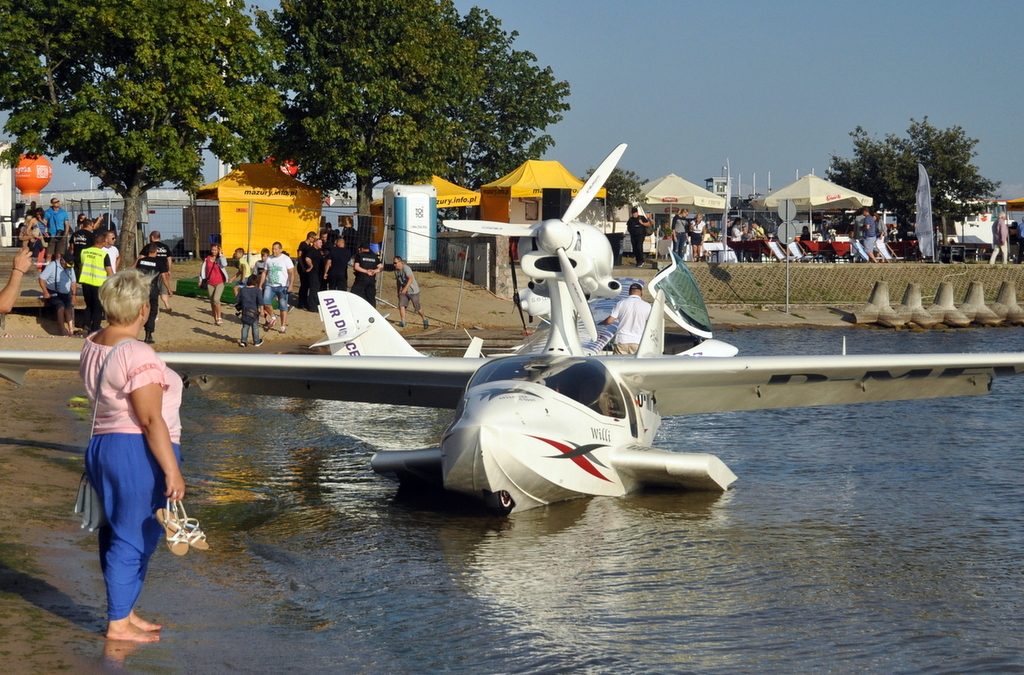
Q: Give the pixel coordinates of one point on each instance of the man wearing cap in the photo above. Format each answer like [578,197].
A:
[631,315]
[367,265]
[56,228]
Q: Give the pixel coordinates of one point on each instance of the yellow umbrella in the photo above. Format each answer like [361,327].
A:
[449,194]
[1015,204]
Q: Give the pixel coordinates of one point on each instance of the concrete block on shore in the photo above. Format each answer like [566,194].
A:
[913,308]
[944,310]
[974,307]
[878,308]
[1006,307]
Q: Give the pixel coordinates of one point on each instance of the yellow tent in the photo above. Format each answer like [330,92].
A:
[449,194]
[528,181]
[1015,204]
[259,204]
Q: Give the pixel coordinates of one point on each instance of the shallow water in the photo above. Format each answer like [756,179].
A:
[881,537]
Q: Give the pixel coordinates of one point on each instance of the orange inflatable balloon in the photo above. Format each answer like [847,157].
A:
[32,174]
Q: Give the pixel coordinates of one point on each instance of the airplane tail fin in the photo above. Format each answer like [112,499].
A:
[653,341]
[354,328]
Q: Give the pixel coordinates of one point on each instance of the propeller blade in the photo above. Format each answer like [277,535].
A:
[579,298]
[515,292]
[490,227]
[593,184]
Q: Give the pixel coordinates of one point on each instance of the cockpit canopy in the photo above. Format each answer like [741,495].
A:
[585,381]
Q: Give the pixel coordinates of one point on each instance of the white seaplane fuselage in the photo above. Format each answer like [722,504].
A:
[521,443]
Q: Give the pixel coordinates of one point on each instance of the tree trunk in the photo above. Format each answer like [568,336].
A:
[127,242]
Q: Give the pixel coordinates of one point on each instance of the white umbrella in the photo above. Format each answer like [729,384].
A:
[671,190]
[811,192]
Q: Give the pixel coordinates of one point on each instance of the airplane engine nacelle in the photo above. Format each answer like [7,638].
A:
[592,259]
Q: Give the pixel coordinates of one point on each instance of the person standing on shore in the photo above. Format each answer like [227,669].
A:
[697,229]
[680,223]
[83,238]
[95,270]
[366,266]
[870,234]
[637,227]
[163,251]
[134,455]
[408,292]
[280,276]
[19,268]
[56,228]
[1000,239]
[303,250]
[336,269]
[152,265]
[215,273]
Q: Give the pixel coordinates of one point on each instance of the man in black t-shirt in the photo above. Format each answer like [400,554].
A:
[163,251]
[336,269]
[637,228]
[154,267]
[313,263]
[82,239]
[300,257]
[367,266]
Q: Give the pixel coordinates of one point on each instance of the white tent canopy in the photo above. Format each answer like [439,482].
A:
[811,192]
[671,190]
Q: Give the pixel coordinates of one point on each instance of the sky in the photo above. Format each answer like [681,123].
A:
[768,86]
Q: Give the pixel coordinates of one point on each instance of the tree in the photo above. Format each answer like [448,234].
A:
[503,105]
[132,92]
[397,90]
[887,170]
[623,188]
[365,87]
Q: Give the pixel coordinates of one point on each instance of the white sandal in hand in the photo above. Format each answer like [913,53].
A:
[182,532]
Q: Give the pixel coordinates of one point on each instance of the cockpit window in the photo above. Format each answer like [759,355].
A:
[583,380]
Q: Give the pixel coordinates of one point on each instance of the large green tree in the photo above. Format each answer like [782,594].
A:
[365,84]
[395,90]
[886,169]
[502,106]
[132,91]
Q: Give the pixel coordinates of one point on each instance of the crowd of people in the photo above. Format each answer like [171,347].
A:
[76,264]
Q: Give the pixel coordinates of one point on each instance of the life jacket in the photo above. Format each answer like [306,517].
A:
[94,273]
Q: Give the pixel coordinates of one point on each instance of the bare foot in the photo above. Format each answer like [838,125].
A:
[123,629]
[138,621]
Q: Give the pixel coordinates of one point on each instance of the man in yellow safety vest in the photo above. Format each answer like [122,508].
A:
[95,270]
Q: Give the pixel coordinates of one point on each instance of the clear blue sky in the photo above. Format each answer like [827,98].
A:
[772,86]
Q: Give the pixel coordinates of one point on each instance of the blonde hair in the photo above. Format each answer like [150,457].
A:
[123,296]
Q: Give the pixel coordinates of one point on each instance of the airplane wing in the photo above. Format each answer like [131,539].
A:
[683,385]
[435,382]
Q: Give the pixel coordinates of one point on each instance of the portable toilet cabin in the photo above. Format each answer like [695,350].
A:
[410,211]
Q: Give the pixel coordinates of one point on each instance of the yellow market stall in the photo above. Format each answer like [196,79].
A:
[516,197]
[450,195]
[259,204]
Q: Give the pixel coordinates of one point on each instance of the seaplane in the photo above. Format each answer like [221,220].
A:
[560,418]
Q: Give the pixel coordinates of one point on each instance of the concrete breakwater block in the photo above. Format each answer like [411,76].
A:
[913,308]
[974,307]
[1006,307]
[878,307]
[944,310]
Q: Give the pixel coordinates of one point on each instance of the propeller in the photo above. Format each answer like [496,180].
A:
[556,236]
[579,298]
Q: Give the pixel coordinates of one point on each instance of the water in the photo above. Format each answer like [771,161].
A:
[881,537]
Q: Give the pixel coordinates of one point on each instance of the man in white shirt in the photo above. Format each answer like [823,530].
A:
[631,314]
[280,275]
[111,249]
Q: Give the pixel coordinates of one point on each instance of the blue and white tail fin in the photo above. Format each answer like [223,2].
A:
[354,328]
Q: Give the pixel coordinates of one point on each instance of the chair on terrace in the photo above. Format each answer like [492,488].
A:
[776,250]
[797,254]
